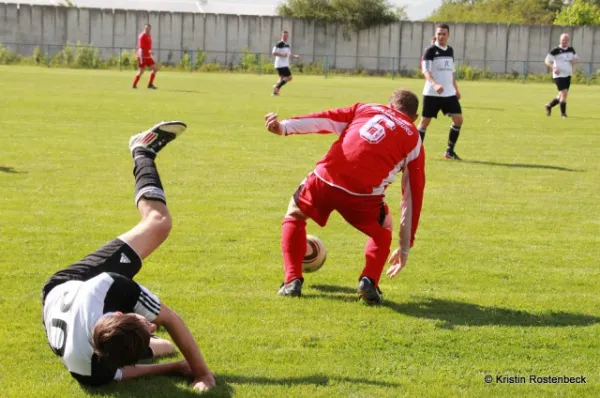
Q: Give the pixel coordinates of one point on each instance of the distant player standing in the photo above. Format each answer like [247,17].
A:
[561,60]
[144,57]
[375,143]
[441,91]
[282,53]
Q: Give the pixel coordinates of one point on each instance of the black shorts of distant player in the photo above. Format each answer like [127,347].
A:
[284,72]
[448,105]
[563,83]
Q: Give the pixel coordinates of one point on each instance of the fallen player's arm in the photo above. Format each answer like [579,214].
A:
[172,368]
[184,340]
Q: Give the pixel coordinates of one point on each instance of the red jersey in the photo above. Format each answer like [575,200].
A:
[376,142]
[144,45]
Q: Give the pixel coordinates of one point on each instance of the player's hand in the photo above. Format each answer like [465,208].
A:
[295,56]
[438,88]
[555,70]
[272,124]
[398,261]
[457,94]
[204,383]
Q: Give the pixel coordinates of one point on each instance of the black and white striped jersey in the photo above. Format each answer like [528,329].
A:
[283,48]
[71,311]
[440,62]
[562,59]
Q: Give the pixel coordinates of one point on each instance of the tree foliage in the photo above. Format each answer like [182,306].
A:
[579,13]
[498,11]
[352,14]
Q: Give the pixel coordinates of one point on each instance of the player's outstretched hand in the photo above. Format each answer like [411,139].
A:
[273,124]
[398,261]
[204,383]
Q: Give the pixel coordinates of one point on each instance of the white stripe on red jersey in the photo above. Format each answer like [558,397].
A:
[376,142]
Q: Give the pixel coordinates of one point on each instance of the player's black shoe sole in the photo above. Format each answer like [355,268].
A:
[152,87]
[368,292]
[157,137]
[292,289]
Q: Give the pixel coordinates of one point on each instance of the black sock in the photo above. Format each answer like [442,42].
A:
[422,132]
[147,180]
[563,108]
[281,83]
[453,137]
[553,103]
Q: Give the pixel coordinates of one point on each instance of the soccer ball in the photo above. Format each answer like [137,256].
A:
[315,254]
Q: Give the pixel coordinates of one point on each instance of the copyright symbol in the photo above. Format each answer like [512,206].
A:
[488,379]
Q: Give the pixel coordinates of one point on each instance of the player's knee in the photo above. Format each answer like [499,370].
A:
[457,120]
[289,78]
[160,223]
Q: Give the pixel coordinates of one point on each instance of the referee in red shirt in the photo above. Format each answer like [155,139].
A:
[144,57]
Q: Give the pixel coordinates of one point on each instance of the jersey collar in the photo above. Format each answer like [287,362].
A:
[441,47]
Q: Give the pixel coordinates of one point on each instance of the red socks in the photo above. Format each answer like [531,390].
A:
[152,76]
[293,247]
[137,79]
[376,254]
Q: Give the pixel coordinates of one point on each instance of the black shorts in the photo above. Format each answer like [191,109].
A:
[562,83]
[448,105]
[284,72]
[116,256]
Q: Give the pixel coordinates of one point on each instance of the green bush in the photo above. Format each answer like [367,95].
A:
[7,57]
[185,63]
[249,61]
[214,67]
[87,56]
[200,59]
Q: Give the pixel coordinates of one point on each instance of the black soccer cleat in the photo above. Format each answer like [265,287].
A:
[133,86]
[563,116]
[548,110]
[292,289]
[368,292]
[450,154]
[152,86]
[157,137]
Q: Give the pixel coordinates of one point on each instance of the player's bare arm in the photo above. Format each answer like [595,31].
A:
[179,368]
[204,380]
[455,85]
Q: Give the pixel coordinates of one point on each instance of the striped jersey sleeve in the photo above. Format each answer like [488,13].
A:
[148,305]
[125,295]
[334,121]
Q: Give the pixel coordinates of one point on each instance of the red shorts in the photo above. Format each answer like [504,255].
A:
[145,62]
[317,200]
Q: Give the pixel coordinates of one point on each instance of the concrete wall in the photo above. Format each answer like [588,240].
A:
[500,48]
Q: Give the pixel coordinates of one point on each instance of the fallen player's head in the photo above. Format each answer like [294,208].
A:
[121,339]
[405,101]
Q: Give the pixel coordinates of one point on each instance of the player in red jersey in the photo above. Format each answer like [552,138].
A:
[144,57]
[376,142]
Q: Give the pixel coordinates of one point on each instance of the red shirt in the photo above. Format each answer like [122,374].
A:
[144,45]
[376,142]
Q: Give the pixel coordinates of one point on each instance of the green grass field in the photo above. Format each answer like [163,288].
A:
[503,278]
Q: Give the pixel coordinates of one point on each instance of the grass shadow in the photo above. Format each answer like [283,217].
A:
[455,313]
[315,380]
[333,289]
[184,91]
[146,387]
[522,165]
[168,387]
[11,170]
[481,108]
